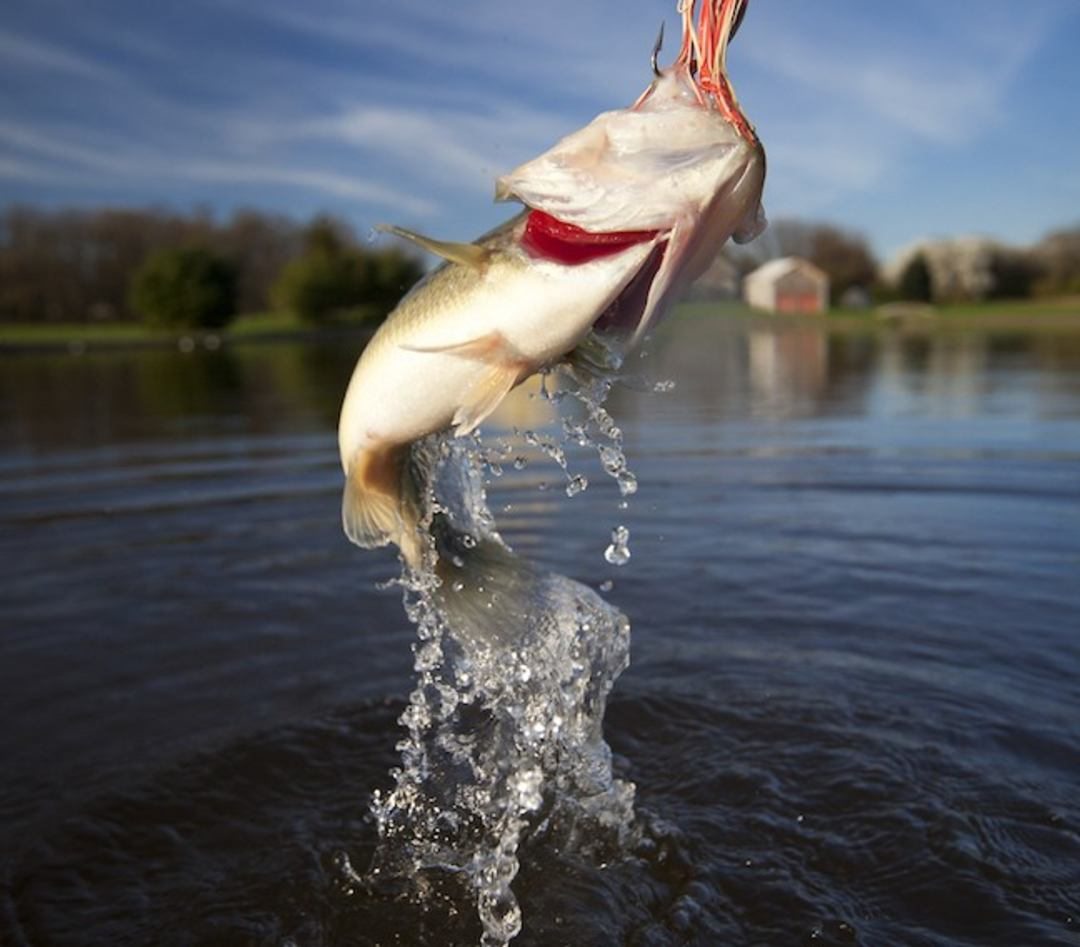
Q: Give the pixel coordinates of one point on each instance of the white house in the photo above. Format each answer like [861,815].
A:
[789,284]
[960,267]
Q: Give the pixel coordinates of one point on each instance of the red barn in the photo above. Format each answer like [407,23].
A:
[788,284]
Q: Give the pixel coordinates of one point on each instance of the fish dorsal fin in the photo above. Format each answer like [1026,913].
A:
[465,254]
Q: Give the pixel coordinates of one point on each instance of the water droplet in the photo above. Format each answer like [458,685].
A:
[663,387]
[458,586]
[577,484]
[607,585]
[520,463]
[468,541]
[618,553]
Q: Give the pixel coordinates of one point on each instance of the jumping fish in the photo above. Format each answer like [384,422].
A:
[619,216]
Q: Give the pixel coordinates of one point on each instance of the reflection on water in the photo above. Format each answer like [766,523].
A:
[765,368]
[67,401]
[789,368]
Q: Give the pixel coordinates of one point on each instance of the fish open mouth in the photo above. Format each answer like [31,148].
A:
[549,238]
[681,169]
[624,314]
[552,239]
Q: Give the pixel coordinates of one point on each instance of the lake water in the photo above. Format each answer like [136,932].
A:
[853,706]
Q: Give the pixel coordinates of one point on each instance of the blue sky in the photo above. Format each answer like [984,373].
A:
[898,120]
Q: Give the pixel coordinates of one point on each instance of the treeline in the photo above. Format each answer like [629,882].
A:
[970,268]
[945,270]
[189,269]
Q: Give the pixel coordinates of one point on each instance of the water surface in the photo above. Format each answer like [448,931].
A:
[851,711]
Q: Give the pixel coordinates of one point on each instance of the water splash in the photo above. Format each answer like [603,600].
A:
[513,665]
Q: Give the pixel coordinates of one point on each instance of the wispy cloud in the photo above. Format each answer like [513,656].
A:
[24,52]
[66,150]
[324,182]
[17,169]
[559,46]
[449,146]
[70,159]
[867,95]
[947,104]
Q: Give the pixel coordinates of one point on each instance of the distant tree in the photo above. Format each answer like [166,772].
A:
[319,284]
[390,274]
[189,287]
[1057,256]
[329,236]
[1013,273]
[260,245]
[916,283]
[844,255]
[334,275]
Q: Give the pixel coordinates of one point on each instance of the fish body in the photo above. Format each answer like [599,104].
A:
[448,354]
[620,215]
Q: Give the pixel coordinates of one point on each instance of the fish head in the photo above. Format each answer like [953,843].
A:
[683,165]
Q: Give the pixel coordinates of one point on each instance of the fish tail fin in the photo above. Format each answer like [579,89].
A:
[380,504]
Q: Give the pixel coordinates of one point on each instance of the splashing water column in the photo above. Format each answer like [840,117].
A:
[504,729]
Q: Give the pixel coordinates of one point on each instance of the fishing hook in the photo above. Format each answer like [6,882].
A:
[656,51]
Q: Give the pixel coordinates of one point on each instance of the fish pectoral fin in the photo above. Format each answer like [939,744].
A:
[484,395]
[376,507]
[491,347]
[504,366]
[465,254]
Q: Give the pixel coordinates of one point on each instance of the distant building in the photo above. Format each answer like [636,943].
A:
[789,284]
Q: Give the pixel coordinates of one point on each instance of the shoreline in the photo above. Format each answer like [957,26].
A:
[135,338]
[79,339]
